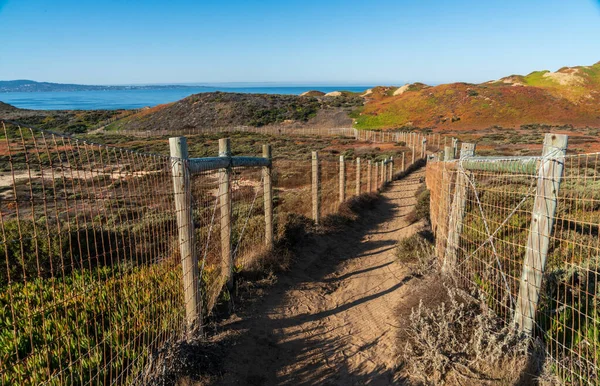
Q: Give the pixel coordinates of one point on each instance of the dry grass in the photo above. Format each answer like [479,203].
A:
[417,252]
[463,342]
[185,363]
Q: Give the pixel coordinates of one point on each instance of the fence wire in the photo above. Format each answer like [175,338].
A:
[488,251]
[91,279]
[91,282]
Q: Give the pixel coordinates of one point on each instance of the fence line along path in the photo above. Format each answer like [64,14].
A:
[523,231]
[110,255]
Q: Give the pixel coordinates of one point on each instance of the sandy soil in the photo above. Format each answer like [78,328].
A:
[333,320]
[401,90]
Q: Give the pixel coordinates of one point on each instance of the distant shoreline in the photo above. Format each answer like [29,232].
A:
[139,97]
[9,86]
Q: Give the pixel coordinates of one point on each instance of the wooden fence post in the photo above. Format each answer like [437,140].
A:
[316,188]
[403,164]
[342,179]
[542,221]
[358,176]
[455,147]
[369,176]
[225,208]
[391,169]
[376,185]
[185,227]
[448,153]
[424,148]
[268,197]
[457,211]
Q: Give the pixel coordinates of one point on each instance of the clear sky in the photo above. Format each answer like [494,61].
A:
[308,41]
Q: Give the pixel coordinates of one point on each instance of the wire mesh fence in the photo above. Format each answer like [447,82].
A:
[484,215]
[90,282]
[93,278]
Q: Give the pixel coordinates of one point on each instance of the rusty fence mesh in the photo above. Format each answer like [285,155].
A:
[485,248]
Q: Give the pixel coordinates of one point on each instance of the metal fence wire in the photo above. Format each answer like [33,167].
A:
[483,212]
[94,268]
[91,282]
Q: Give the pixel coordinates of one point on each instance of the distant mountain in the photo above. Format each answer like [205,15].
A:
[569,96]
[33,86]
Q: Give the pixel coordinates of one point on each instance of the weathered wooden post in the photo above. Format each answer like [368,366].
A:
[403,164]
[268,196]
[413,154]
[342,179]
[369,176]
[358,176]
[448,153]
[316,188]
[457,211]
[185,227]
[391,169]
[376,185]
[542,222]
[225,208]
[455,146]
[424,148]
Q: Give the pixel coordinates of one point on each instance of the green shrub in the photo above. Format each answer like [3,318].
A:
[421,209]
[417,252]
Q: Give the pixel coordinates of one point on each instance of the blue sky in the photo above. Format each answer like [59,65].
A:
[309,41]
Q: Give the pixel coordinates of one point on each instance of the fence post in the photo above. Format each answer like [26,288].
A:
[455,146]
[358,176]
[268,197]
[391,169]
[457,211]
[185,227]
[342,179]
[448,153]
[424,148]
[542,221]
[369,176]
[316,187]
[376,175]
[403,164]
[225,208]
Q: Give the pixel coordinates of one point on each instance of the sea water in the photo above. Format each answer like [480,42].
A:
[138,98]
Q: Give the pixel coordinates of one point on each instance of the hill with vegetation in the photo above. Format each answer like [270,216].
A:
[64,121]
[569,96]
[219,109]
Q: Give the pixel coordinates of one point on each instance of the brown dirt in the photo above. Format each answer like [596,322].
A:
[333,320]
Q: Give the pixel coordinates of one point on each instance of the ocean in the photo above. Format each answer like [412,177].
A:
[133,99]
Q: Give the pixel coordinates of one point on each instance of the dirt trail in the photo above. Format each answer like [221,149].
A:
[333,320]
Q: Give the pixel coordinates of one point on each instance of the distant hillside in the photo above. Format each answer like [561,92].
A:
[65,121]
[218,109]
[570,96]
[6,108]
[33,86]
